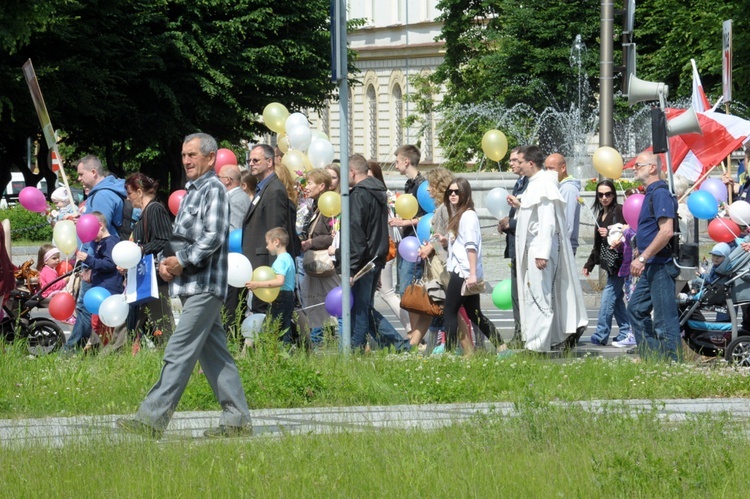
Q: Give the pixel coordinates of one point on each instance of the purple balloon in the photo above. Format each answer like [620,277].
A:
[32,199]
[716,188]
[408,248]
[87,228]
[334,301]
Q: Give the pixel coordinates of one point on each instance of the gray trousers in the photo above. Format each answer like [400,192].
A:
[199,337]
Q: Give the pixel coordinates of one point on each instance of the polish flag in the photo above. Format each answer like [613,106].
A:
[699,100]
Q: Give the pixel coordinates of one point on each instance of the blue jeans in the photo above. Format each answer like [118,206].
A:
[655,291]
[82,329]
[365,319]
[406,272]
[612,304]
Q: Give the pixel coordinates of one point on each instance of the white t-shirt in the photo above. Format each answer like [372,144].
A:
[469,237]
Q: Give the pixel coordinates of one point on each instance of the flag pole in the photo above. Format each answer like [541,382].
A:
[729,159]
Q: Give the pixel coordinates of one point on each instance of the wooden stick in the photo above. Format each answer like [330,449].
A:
[729,160]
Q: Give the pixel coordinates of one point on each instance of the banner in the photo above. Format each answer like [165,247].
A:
[142,286]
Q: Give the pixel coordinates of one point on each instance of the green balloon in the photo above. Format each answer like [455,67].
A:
[501,295]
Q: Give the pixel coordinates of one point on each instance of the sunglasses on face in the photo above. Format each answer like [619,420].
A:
[453,191]
[607,194]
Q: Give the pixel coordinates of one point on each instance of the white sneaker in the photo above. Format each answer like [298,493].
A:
[629,341]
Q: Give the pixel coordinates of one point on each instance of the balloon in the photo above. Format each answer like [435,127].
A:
[224,157]
[334,301]
[494,144]
[723,230]
[608,162]
[408,248]
[295,161]
[295,119]
[62,306]
[501,295]
[329,204]
[175,199]
[235,241]
[715,187]
[275,116]
[267,295]
[424,198]
[497,203]
[316,135]
[126,254]
[263,274]
[703,205]
[252,325]
[32,199]
[299,137]
[321,153]
[87,228]
[64,236]
[282,141]
[94,297]
[63,267]
[739,211]
[631,210]
[240,269]
[424,227]
[406,206]
[114,310]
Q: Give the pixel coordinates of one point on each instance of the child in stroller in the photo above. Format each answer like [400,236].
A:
[708,316]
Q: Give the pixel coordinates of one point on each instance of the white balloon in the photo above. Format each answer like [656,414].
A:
[252,326]
[497,202]
[299,138]
[113,311]
[320,153]
[739,212]
[126,254]
[294,120]
[240,270]
[317,135]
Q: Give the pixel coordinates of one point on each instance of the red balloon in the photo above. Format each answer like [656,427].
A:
[224,157]
[175,199]
[723,230]
[63,267]
[62,305]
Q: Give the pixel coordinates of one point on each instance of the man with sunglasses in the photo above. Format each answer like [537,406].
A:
[655,266]
[570,188]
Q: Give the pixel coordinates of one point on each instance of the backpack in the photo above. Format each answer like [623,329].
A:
[125,228]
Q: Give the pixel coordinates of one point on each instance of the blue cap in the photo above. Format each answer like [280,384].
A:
[721,249]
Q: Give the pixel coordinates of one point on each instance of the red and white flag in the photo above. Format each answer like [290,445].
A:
[700,102]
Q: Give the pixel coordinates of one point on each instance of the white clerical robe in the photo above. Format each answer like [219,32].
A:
[550,300]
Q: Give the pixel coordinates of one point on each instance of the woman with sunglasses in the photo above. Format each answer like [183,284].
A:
[608,212]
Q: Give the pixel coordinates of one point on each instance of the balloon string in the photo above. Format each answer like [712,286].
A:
[722,222]
[592,215]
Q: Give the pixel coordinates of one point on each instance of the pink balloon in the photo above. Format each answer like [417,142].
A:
[631,210]
[224,157]
[175,199]
[87,228]
[32,199]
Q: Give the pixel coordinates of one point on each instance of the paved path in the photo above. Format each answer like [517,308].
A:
[57,432]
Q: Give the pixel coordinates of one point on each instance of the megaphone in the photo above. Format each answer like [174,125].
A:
[642,90]
[687,122]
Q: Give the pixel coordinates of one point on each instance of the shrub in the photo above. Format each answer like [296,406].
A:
[25,224]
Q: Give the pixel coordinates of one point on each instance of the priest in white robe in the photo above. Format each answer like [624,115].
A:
[549,287]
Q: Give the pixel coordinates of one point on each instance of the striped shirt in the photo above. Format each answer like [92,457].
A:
[204,219]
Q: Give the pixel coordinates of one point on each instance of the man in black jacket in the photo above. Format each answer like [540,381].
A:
[368,236]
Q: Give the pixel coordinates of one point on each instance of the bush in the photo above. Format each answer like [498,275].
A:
[25,224]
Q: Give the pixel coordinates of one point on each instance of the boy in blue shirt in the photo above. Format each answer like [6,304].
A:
[282,307]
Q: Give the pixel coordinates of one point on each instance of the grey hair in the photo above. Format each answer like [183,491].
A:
[92,162]
[268,151]
[681,185]
[207,143]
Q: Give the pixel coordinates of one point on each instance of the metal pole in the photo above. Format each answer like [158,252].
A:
[606,79]
[670,175]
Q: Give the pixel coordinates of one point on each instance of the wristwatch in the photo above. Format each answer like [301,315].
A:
[641,259]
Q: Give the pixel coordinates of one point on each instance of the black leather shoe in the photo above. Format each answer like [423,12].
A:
[222,431]
[139,428]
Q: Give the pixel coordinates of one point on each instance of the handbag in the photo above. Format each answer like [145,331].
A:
[474,289]
[141,284]
[391,250]
[416,299]
[610,259]
[318,263]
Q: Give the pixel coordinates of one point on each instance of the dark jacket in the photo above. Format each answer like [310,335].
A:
[319,230]
[510,232]
[368,207]
[612,217]
[103,269]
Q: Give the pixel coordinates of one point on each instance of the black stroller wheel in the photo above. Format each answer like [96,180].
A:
[738,352]
[45,336]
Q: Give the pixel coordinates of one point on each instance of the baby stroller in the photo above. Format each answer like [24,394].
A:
[43,335]
[701,330]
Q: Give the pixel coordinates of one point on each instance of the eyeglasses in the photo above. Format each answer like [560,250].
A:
[223,177]
[607,194]
[453,191]
[255,161]
[638,166]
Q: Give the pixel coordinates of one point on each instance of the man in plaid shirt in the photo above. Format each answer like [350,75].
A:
[198,275]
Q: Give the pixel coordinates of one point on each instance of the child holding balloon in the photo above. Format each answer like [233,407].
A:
[48,259]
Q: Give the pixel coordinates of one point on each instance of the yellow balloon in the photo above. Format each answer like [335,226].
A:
[295,162]
[494,144]
[267,294]
[283,142]
[274,116]
[263,274]
[406,206]
[65,236]
[329,203]
[608,162]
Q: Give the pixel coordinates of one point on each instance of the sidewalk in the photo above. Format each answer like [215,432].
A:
[57,432]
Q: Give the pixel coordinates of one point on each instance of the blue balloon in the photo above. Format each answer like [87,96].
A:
[424,228]
[235,241]
[94,297]
[703,205]
[424,198]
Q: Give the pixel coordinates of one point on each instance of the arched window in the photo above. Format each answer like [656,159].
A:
[372,121]
[398,116]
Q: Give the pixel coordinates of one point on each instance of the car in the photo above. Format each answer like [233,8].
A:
[16,184]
